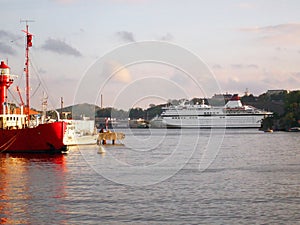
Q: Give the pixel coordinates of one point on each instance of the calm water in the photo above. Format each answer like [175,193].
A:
[159,177]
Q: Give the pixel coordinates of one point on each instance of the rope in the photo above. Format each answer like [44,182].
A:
[8,143]
[42,83]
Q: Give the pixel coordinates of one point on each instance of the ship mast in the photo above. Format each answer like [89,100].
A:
[28,45]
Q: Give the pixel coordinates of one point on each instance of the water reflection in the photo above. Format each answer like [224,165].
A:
[28,182]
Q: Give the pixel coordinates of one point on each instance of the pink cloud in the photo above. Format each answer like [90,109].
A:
[281,34]
[117,1]
[246,5]
[65,1]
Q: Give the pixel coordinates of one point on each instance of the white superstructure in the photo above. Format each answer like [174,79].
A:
[80,132]
[232,115]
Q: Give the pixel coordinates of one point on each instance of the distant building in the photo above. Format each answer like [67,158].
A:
[224,97]
[247,92]
[219,99]
[276,92]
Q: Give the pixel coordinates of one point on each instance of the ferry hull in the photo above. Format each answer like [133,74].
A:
[45,138]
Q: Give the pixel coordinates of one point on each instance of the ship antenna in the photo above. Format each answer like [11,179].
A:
[28,45]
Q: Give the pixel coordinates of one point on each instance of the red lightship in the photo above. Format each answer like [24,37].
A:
[17,134]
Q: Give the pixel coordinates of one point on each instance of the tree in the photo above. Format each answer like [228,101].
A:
[135,113]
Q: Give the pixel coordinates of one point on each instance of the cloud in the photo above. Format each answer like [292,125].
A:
[123,76]
[167,37]
[130,1]
[280,79]
[180,78]
[113,1]
[233,85]
[7,35]
[253,66]
[217,66]
[281,34]
[296,77]
[257,80]
[246,5]
[60,47]
[42,71]
[125,36]
[237,66]
[6,49]
[65,1]
[117,72]
[244,66]
[280,28]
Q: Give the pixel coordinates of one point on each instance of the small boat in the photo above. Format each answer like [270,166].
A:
[268,131]
[294,129]
[17,132]
[80,132]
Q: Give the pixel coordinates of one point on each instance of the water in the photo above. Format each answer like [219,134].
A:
[156,177]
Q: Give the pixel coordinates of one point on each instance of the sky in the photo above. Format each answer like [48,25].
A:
[83,49]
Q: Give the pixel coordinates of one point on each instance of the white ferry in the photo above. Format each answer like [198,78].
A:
[233,115]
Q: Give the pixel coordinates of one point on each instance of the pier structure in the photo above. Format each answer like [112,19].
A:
[111,136]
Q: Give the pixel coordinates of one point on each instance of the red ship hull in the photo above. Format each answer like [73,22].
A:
[45,138]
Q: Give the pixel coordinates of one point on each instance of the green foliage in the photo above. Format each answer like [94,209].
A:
[153,111]
[267,123]
[248,98]
[292,109]
[136,113]
[288,121]
[104,112]
[291,115]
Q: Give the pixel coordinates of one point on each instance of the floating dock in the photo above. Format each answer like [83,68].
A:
[111,136]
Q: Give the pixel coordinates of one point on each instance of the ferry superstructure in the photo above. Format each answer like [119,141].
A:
[233,115]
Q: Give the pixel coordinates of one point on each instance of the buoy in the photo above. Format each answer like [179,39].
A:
[101,149]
